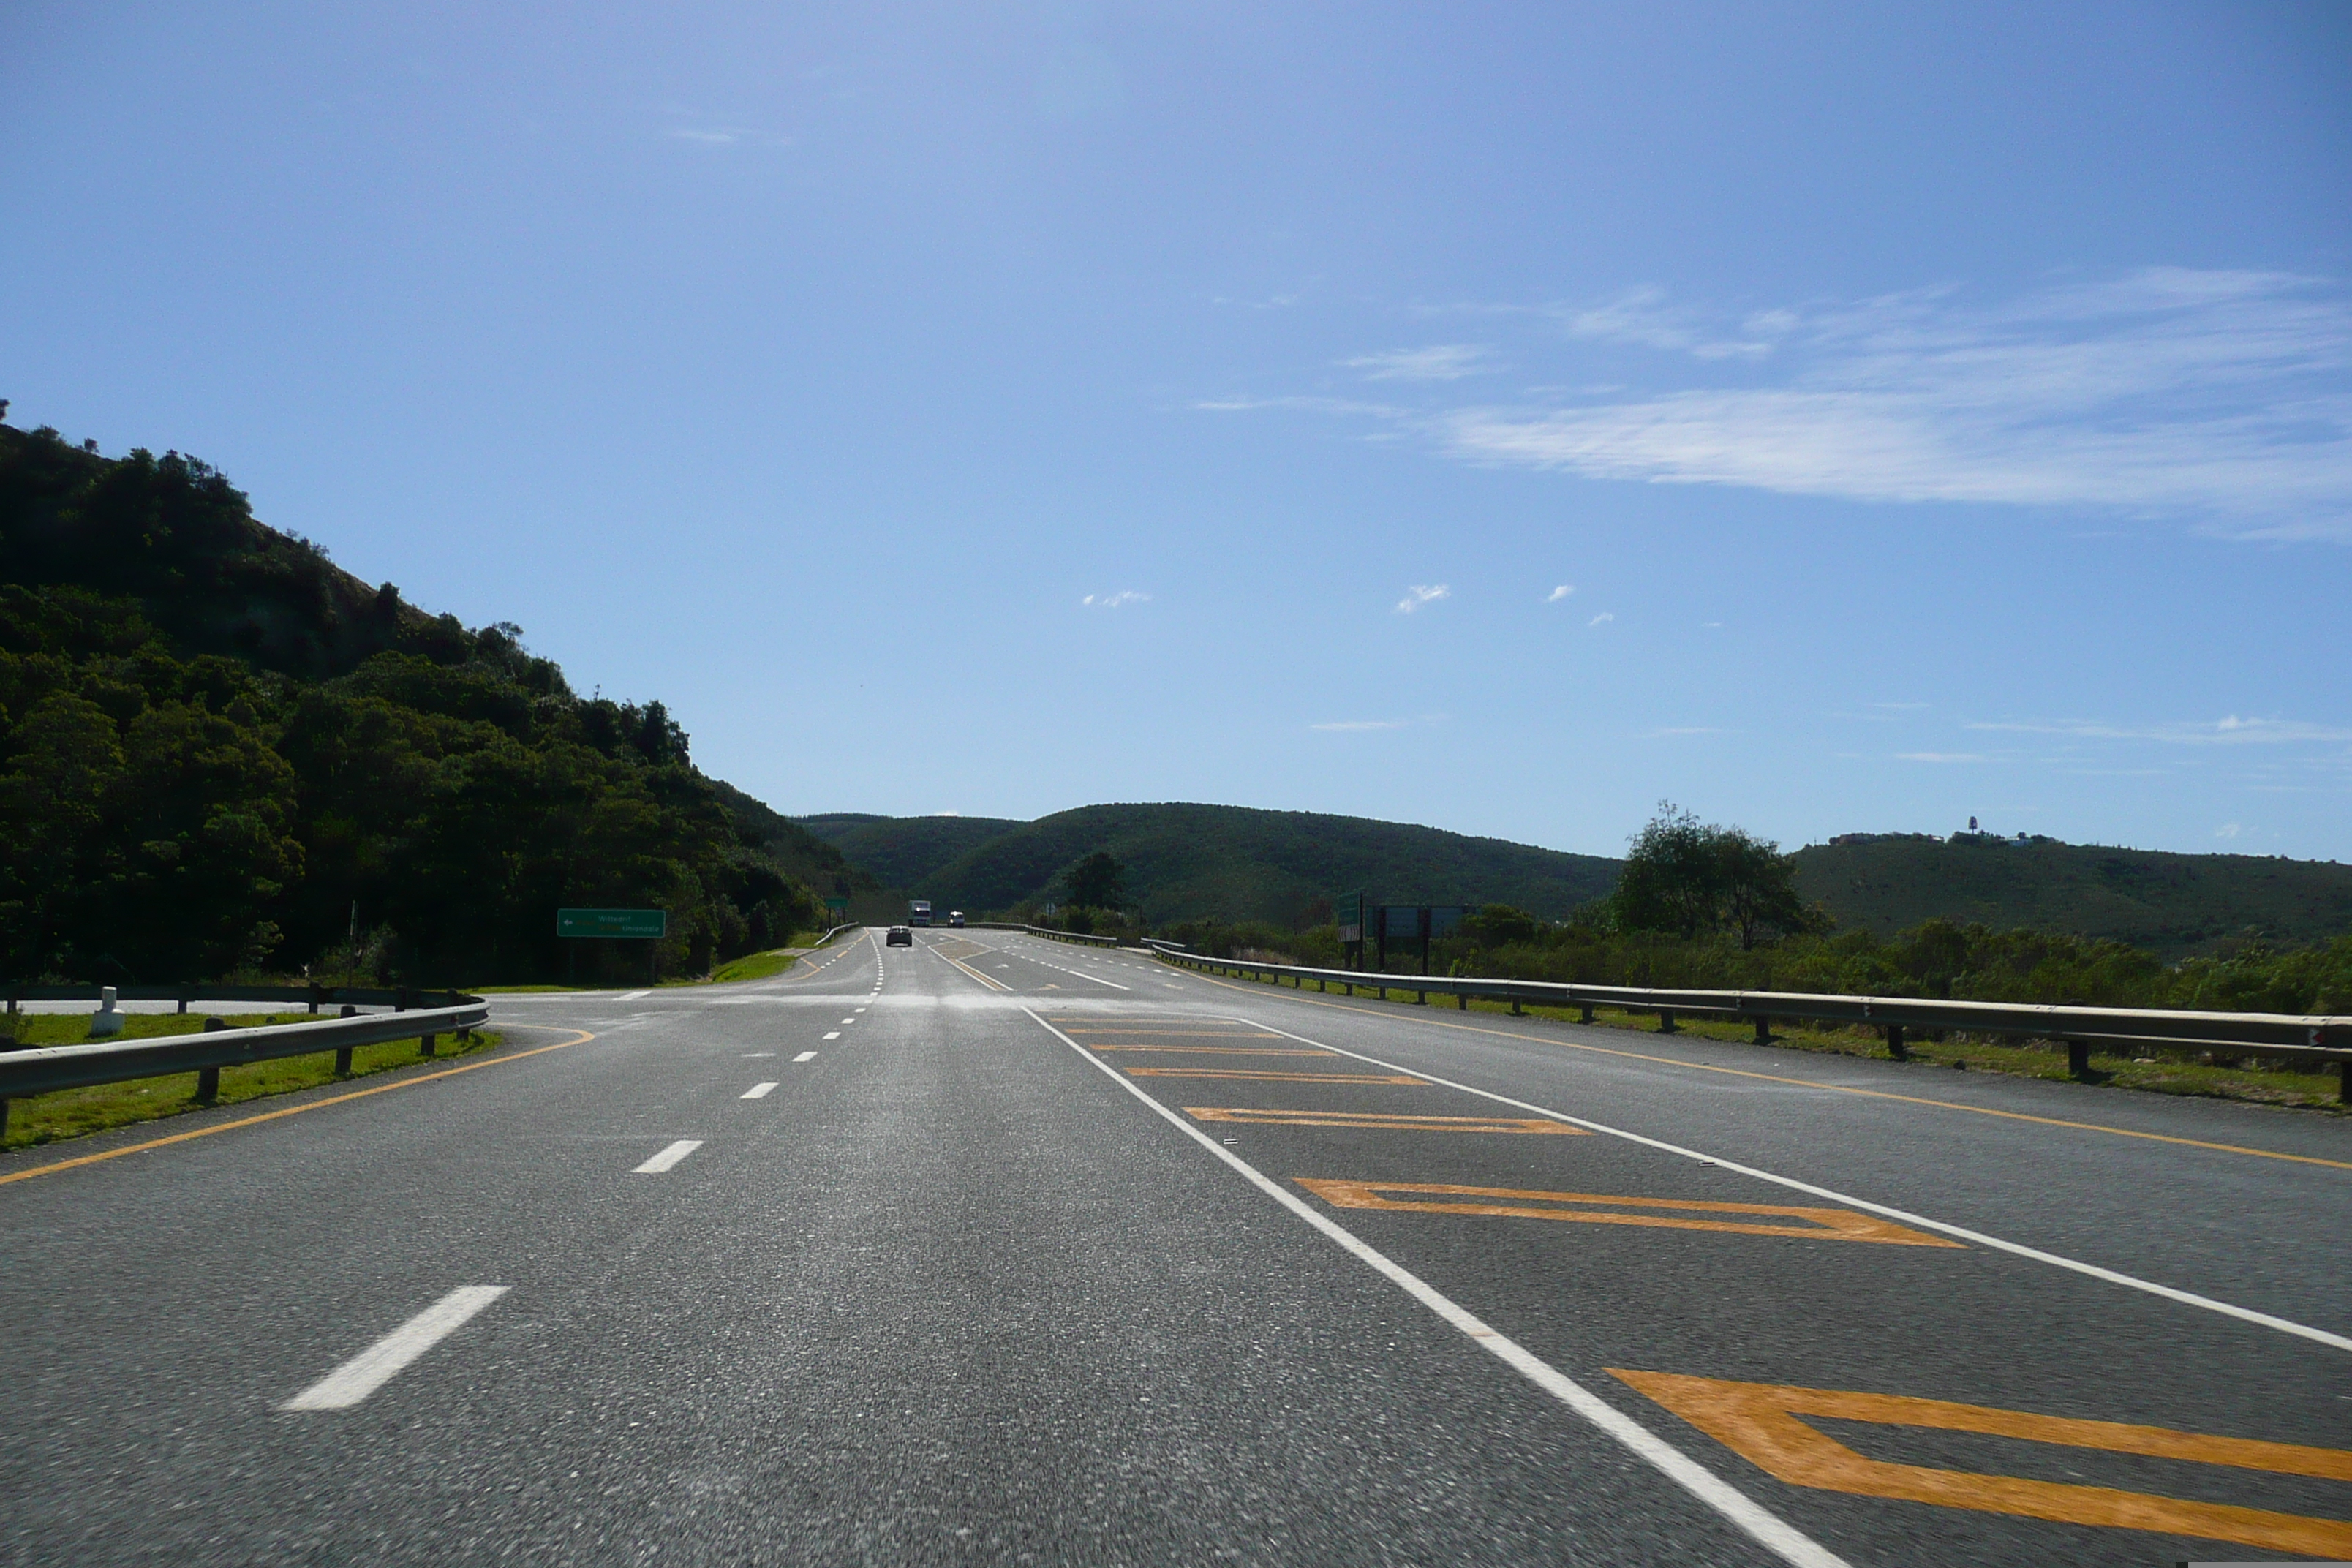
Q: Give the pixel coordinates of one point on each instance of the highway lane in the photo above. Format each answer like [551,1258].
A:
[978,1279]
[2144,1183]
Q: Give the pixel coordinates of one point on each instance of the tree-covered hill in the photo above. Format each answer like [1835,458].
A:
[218,752]
[2169,904]
[1184,861]
[901,851]
[1232,863]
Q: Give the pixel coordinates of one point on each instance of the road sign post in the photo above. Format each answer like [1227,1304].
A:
[1347,910]
[649,926]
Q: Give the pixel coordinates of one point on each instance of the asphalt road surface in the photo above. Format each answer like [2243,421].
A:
[998,1250]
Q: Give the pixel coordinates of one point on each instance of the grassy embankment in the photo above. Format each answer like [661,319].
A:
[2289,1084]
[750,966]
[73,1112]
[759,965]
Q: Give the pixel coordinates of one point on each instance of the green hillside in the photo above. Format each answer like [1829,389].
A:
[221,753]
[1184,861]
[2170,904]
[901,851]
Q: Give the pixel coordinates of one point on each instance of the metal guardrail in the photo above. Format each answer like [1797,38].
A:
[45,1070]
[312,997]
[2316,1039]
[1085,938]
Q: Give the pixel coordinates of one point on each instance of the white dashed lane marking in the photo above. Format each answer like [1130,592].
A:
[758,1092]
[376,1365]
[805,1057]
[667,1157]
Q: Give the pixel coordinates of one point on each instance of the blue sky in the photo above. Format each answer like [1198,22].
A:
[1829,418]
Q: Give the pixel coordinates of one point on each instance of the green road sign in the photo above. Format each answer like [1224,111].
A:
[612,922]
[838,902]
[1348,913]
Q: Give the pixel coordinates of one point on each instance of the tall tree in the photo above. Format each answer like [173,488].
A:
[1673,880]
[1758,885]
[1097,883]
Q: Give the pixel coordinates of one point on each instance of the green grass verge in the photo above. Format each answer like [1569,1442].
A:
[74,1112]
[2287,1084]
[755,966]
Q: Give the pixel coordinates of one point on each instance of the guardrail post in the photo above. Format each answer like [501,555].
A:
[1590,1016]
[1894,1045]
[2078,1059]
[208,1079]
[1517,1011]
[184,1002]
[9,1043]
[1666,1022]
[1763,1031]
[1420,998]
[426,1043]
[342,1061]
[1462,1001]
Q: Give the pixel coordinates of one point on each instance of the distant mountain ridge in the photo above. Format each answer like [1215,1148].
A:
[2168,903]
[1185,862]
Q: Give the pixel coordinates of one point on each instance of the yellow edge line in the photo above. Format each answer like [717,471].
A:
[27,1176]
[1838,1087]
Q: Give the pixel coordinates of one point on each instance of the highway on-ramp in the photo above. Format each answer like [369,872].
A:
[1002,1250]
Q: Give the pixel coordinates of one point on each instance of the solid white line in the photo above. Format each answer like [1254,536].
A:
[667,1157]
[1789,1543]
[805,1057]
[2130,1282]
[833,1035]
[758,1092]
[749,1055]
[376,1365]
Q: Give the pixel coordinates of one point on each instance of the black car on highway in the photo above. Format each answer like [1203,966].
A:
[900,936]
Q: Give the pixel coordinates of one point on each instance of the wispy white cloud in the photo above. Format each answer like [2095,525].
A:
[1642,316]
[2220,397]
[1364,724]
[1114,600]
[1422,593]
[2228,831]
[708,135]
[2218,393]
[1557,595]
[1439,362]
[2231,731]
[1602,619]
[1341,406]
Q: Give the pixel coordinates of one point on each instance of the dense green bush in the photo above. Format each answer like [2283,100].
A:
[1936,958]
